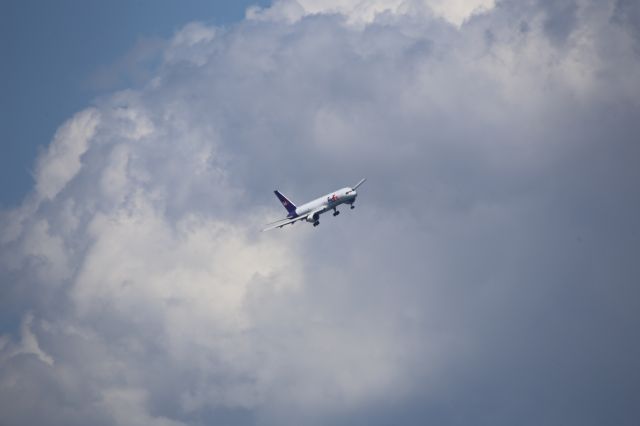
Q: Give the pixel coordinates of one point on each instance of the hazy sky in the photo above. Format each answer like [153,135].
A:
[489,275]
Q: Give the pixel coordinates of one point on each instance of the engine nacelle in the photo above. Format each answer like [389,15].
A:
[312,218]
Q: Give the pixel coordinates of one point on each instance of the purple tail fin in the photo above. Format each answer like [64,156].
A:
[291,208]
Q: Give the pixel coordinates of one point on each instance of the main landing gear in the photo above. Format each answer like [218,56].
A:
[316,223]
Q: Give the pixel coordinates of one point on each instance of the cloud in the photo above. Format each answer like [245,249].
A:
[62,160]
[360,12]
[487,275]
[28,343]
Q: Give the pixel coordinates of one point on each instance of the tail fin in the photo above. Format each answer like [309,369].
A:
[291,208]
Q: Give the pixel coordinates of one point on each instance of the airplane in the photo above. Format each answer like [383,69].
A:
[312,210]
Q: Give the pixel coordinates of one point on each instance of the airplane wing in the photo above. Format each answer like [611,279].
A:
[283,222]
[358,184]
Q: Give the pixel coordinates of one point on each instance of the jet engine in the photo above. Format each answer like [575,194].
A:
[313,217]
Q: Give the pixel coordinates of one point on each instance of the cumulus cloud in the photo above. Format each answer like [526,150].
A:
[62,160]
[489,274]
[359,12]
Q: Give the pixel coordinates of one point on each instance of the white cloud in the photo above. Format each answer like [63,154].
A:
[361,12]
[60,163]
[191,44]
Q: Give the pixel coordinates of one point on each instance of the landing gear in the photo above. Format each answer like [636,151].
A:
[335,212]
[316,223]
[352,207]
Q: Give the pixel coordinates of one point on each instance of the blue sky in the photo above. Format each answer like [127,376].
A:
[51,53]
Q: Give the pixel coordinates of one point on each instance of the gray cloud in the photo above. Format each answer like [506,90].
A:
[488,275]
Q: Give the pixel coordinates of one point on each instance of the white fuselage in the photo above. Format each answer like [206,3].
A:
[328,202]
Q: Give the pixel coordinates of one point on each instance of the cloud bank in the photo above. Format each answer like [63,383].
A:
[489,274]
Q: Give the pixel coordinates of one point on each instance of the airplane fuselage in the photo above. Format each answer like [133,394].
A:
[327,202]
[312,210]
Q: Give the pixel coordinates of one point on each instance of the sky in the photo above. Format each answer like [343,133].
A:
[490,273]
